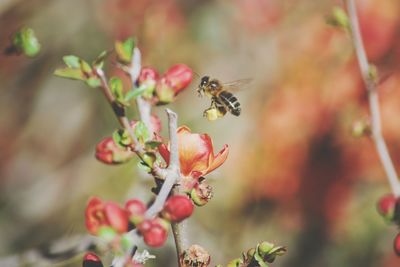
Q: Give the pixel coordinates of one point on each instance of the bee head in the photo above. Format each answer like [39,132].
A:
[204,81]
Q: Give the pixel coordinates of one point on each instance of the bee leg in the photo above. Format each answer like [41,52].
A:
[212,106]
[199,92]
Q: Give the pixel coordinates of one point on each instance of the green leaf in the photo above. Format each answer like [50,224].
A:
[93,82]
[85,67]
[135,93]
[121,138]
[339,18]
[116,87]
[143,166]
[260,260]
[141,132]
[69,73]
[124,49]
[152,144]
[98,63]
[26,40]
[72,61]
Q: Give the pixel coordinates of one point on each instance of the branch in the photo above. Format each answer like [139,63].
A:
[173,171]
[370,85]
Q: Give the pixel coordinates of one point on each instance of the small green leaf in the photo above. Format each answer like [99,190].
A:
[152,144]
[259,259]
[373,72]
[124,49]
[93,82]
[85,67]
[143,166]
[116,87]
[135,93]
[26,41]
[107,233]
[75,74]
[339,18]
[121,138]
[72,61]
[98,63]
[141,132]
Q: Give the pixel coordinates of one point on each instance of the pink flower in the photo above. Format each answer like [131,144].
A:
[196,153]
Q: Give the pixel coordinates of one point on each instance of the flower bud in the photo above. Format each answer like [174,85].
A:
[177,78]
[361,128]
[148,78]
[387,206]
[177,208]
[396,244]
[91,260]
[136,210]
[99,214]
[195,256]
[109,153]
[201,194]
[155,232]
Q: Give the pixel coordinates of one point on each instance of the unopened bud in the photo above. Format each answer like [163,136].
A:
[177,208]
[201,194]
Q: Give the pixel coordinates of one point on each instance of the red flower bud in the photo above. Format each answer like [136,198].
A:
[386,206]
[109,153]
[148,74]
[154,232]
[91,260]
[179,77]
[136,210]
[177,208]
[99,213]
[396,244]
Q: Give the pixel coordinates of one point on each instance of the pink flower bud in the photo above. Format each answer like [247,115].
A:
[177,208]
[109,153]
[91,260]
[136,210]
[148,74]
[99,213]
[179,77]
[155,232]
[396,244]
[386,206]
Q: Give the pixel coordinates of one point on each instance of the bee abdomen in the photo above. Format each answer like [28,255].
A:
[231,102]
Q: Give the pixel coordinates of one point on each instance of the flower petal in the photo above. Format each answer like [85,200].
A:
[194,151]
[219,159]
[164,152]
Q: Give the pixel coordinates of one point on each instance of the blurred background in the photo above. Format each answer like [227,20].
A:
[295,176]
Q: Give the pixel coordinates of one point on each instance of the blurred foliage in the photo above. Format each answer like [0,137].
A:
[295,175]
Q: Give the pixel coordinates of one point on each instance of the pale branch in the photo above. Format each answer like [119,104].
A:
[371,87]
[144,108]
[173,170]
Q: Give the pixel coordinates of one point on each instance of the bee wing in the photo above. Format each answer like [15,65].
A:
[237,85]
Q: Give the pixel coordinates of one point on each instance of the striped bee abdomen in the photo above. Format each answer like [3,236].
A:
[231,102]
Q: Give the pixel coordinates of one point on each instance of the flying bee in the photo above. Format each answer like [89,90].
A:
[222,100]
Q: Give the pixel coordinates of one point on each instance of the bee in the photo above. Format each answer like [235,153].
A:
[222,100]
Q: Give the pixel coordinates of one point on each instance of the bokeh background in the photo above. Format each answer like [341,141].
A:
[295,176]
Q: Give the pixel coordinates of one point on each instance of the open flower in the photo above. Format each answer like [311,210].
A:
[196,153]
[99,213]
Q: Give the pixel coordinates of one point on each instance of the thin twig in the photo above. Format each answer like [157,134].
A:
[176,231]
[371,87]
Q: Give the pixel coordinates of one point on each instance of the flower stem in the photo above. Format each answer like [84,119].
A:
[371,87]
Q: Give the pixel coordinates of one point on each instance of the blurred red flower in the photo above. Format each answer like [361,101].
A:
[99,214]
